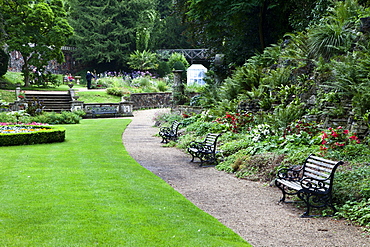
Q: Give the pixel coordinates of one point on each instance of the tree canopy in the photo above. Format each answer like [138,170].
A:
[37,29]
[240,28]
[107,32]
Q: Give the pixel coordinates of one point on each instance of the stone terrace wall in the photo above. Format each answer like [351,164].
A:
[151,100]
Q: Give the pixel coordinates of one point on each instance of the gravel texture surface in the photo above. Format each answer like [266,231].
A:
[251,209]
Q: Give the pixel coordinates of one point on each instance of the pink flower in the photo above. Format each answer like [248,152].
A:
[346,131]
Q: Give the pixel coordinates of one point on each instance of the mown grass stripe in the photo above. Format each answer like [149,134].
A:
[88,191]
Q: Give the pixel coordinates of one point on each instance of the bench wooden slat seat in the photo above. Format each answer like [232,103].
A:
[170,133]
[312,182]
[99,110]
[206,150]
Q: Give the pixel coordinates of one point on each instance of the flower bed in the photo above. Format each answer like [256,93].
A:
[30,134]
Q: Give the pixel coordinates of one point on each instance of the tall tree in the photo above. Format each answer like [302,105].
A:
[37,29]
[107,31]
[239,28]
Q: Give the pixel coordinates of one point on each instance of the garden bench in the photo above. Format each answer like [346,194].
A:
[170,133]
[312,182]
[206,150]
[100,110]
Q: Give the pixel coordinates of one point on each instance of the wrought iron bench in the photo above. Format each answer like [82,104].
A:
[100,110]
[312,182]
[170,133]
[206,150]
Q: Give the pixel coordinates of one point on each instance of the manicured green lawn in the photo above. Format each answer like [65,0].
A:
[87,191]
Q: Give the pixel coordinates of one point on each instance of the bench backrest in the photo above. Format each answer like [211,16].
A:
[175,126]
[211,141]
[320,171]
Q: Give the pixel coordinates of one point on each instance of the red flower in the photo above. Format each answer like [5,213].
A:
[339,144]
[324,135]
[334,134]
[346,131]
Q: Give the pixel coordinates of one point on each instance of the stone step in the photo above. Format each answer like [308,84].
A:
[55,101]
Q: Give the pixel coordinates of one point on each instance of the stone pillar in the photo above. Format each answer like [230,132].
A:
[77,105]
[78,78]
[178,93]
[18,91]
[71,92]
[126,108]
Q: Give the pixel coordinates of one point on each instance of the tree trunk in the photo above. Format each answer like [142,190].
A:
[260,25]
[26,71]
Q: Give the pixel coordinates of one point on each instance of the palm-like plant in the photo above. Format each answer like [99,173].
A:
[337,32]
[144,60]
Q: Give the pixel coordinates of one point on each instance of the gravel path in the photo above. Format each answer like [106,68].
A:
[251,209]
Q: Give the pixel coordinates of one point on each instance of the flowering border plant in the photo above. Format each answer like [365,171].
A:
[235,121]
[334,138]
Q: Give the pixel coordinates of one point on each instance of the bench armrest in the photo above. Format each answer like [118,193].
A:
[315,185]
[197,145]
[292,174]
[165,129]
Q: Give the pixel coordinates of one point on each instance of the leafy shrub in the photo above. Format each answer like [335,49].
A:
[203,128]
[143,60]
[162,86]
[15,117]
[352,184]
[234,146]
[117,91]
[165,118]
[254,167]
[34,107]
[46,117]
[56,118]
[163,69]
[358,212]
[180,61]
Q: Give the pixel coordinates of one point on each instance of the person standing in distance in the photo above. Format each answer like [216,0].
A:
[89,77]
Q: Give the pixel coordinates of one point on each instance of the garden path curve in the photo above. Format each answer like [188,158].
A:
[251,209]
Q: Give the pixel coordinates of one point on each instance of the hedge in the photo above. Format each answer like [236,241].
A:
[49,134]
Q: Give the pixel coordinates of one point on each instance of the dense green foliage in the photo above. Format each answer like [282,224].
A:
[43,134]
[45,117]
[278,107]
[38,30]
[106,33]
[239,28]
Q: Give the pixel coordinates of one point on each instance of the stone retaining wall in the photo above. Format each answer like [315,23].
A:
[151,100]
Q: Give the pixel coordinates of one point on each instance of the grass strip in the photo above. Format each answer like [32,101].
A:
[87,191]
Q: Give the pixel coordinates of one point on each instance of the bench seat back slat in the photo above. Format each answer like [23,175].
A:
[320,169]
[323,160]
[315,174]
